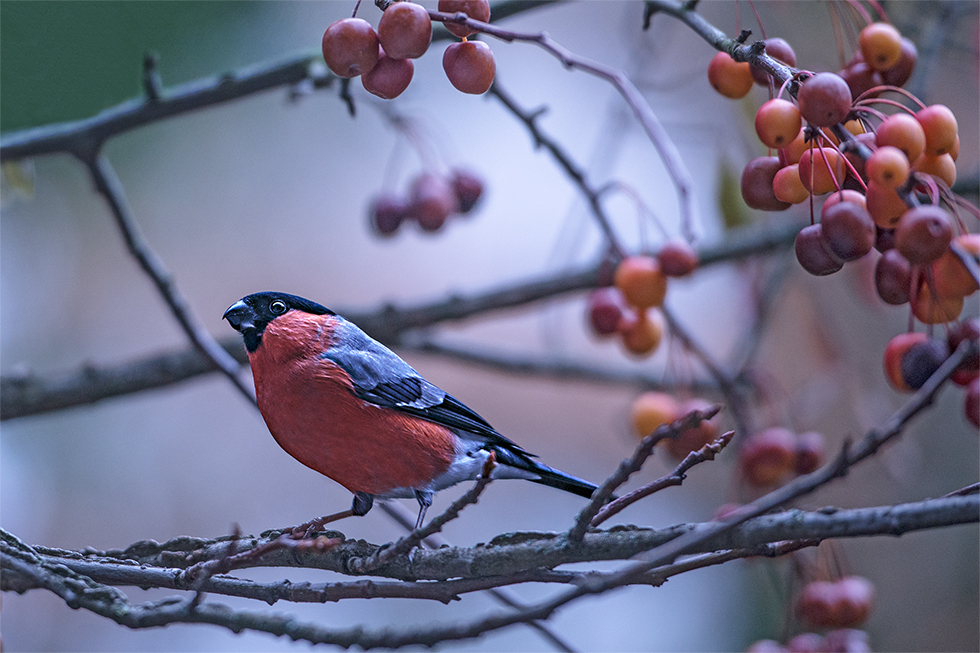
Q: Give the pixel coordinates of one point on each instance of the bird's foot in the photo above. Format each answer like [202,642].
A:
[310,528]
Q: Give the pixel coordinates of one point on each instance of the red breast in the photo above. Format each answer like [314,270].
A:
[311,410]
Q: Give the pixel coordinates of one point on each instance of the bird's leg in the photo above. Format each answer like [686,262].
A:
[425,500]
[362,503]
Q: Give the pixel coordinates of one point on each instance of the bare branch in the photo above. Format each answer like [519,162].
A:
[676,477]
[633,464]
[73,576]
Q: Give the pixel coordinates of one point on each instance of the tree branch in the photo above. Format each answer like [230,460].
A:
[27,394]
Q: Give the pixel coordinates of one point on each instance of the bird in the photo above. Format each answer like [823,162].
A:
[350,408]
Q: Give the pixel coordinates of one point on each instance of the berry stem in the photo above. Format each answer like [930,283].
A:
[865,16]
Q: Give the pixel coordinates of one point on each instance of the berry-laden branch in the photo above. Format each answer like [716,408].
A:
[83,580]
[25,393]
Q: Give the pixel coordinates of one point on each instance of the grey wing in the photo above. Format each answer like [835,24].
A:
[382,378]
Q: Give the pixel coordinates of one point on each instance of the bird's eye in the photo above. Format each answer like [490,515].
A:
[278,307]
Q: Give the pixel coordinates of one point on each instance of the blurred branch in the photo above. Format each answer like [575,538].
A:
[84,137]
[673,163]
[25,393]
[564,161]
[83,579]
[109,186]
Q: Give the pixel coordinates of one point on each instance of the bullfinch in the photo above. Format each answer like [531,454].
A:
[348,407]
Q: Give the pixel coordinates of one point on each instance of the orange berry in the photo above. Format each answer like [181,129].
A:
[777,122]
[885,205]
[939,125]
[935,310]
[881,45]
[888,167]
[641,281]
[942,167]
[731,78]
[796,148]
[950,276]
[904,132]
[642,334]
[895,351]
[825,165]
[787,185]
[650,410]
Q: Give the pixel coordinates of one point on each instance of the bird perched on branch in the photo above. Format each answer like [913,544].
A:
[348,407]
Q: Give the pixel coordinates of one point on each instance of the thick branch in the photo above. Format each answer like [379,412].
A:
[80,580]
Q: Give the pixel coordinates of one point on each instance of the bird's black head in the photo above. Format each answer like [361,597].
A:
[251,314]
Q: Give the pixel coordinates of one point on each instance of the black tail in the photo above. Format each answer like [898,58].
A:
[562,481]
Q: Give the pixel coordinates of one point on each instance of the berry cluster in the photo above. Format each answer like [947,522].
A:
[432,199]
[841,603]
[652,409]
[886,178]
[639,285]
[383,58]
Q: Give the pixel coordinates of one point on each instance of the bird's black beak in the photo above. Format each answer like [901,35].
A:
[240,316]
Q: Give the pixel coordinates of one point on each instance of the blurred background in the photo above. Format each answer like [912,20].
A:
[267,193]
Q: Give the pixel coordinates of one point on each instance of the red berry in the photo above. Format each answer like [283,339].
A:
[855,598]
[387,214]
[389,78]
[893,278]
[894,354]
[475,9]
[972,405]
[921,360]
[432,201]
[757,178]
[768,457]
[824,99]
[812,253]
[605,311]
[923,233]
[468,188]
[405,30]
[848,232]
[677,259]
[350,47]
[469,66]
[860,78]
[810,448]
[817,603]
[900,73]
[969,369]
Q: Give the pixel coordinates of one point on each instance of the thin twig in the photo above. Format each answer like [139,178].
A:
[676,477]
[633,464]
